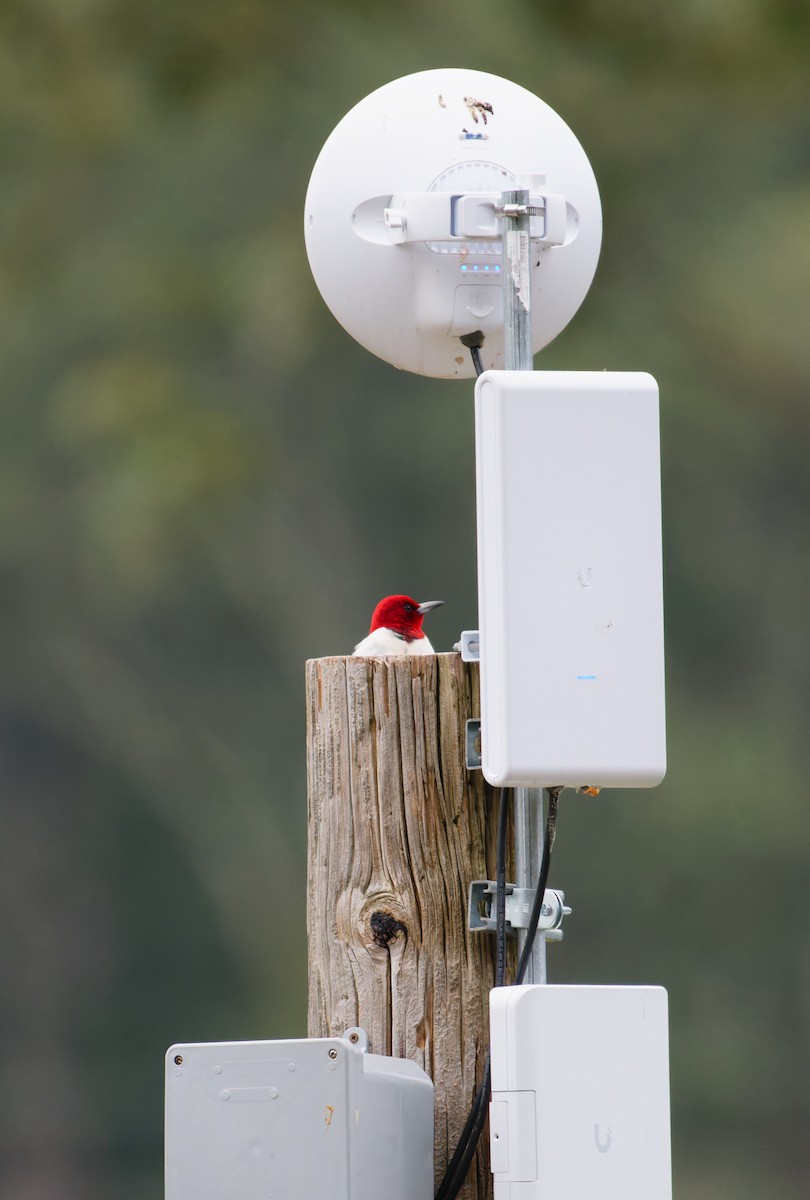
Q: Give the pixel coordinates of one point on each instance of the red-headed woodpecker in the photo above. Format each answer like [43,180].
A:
[396,627]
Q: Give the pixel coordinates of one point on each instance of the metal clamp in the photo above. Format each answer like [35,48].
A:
[470,645]
[519,902]
[472,216]
[519,210]
[472,744]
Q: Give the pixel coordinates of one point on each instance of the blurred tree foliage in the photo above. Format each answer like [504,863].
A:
[203,481]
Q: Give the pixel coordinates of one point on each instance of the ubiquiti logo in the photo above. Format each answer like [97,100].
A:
[602,1141]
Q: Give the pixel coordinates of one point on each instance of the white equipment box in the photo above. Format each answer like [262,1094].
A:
[580,1093]
[315,1119]
[570,579]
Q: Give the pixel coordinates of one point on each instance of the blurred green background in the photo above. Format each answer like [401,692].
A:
[204,481]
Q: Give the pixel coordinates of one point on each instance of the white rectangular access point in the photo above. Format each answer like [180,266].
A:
[580,1093]
[570,585]
[312,1119]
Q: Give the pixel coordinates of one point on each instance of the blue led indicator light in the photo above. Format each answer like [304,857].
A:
[586,677]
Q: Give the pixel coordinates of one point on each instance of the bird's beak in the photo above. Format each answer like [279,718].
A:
[427,605]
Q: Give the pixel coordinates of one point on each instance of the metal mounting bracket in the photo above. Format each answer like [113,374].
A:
[470,645]
[472,744]
[519,901]
[474,216]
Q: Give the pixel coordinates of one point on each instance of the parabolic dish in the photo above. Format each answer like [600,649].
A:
[454,133]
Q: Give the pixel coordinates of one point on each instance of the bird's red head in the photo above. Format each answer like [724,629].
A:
[403,615]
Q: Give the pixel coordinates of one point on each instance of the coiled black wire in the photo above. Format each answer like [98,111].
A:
[459,1164]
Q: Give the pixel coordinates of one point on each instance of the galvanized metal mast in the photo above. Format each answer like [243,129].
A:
[517,332]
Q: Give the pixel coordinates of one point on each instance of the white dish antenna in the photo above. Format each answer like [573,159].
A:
[402,227]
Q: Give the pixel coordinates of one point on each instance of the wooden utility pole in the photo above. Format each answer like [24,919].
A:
[397,829]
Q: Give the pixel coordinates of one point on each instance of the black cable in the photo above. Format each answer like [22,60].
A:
[474,342]
[545,861]
[452,1183]
[459,1164]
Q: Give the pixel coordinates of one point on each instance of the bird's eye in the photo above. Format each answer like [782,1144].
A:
[410,608]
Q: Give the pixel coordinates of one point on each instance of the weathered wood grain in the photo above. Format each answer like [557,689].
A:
[397,829]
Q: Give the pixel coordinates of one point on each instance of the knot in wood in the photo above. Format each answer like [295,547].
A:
[385,928]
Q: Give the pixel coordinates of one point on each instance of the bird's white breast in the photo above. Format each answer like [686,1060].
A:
[385,641]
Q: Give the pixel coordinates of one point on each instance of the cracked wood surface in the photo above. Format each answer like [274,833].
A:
[397,829]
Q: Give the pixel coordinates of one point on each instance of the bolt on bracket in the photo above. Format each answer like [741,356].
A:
[357,1037]
[519,210]
[519,902]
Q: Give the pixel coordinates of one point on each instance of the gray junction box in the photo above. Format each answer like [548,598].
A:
[310,1119]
